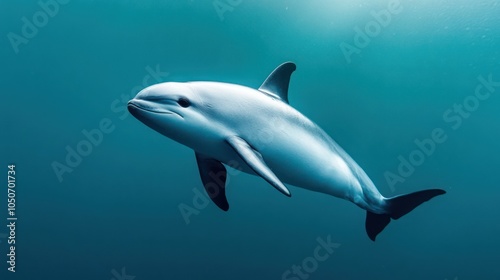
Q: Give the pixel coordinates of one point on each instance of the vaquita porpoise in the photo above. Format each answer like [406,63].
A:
[258,132]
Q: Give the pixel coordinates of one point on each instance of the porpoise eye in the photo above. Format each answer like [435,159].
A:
[184,102]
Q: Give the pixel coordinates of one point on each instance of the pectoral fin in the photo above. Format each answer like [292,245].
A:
[255,161]
[213,176]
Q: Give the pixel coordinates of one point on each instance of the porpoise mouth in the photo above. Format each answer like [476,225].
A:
[144,106]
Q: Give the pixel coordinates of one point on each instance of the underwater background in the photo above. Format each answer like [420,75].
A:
[380,77]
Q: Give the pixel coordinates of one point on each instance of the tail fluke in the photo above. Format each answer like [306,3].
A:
[397,207]
[375,223]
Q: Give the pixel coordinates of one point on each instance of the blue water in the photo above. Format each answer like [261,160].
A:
[114,213]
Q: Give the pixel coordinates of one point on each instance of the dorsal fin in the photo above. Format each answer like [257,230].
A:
[277,82]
